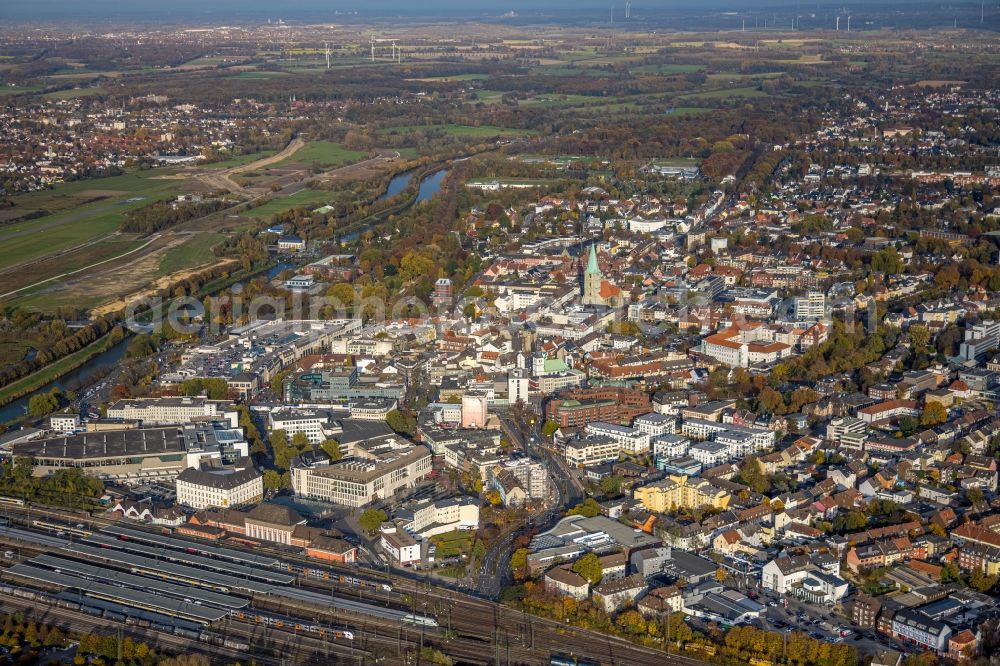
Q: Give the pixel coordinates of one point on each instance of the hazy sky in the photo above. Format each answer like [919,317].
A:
[216,10]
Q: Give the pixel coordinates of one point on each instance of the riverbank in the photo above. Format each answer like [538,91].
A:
[53,371]
[419,185]
[78,362]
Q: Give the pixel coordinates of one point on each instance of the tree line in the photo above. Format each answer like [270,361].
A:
[162,215]
[64,347]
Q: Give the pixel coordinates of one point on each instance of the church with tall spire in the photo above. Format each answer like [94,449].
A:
[597,290]
[592,277]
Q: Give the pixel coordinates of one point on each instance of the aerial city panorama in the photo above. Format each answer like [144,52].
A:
[499,332]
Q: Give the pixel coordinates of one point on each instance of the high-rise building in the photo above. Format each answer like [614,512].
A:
[980,338]
[474,409]
[518,385]
[810,306]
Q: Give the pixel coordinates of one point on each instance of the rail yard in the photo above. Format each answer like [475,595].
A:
[273,599]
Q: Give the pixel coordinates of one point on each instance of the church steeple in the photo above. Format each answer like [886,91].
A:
[592,266]
[592,278]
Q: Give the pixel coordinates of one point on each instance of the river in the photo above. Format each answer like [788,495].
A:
[104,361]
[429,186]
[397,185]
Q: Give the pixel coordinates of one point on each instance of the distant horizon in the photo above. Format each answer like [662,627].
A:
[311,11]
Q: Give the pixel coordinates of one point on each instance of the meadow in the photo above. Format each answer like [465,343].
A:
[324,153]
[79,213]
[461,131]
[309,198]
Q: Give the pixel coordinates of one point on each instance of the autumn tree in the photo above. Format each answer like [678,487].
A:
[371,519]
[771,400]
[519,563]
[752,474]
[589,567]
[272,480]
[631,622]
[401,423]
[934,414]
[331,447]
[588,508]
[920,337]
[979,581]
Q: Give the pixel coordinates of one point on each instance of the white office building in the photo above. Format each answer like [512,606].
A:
[212,486]
[810,306]
[631,440]
[666,447]
[174,410]
[654,424]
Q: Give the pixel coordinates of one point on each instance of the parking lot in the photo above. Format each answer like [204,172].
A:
[822,623]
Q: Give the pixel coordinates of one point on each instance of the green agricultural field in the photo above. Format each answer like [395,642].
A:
[74,93]
[73,222]
[255,76]
[463,131]
[207,61]
[489,96]
[239,160]
[19,90]
[309,198]
[83,75]
[687,110]
[556,100]
[733,77]
[544,100]
[667,69]
[456,77]
[193,252]
[557,70]
[324,153]
[725,93]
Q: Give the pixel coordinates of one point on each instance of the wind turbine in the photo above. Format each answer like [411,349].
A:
[326,48]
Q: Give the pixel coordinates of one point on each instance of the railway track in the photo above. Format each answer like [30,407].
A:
[472,630]
[70,620]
